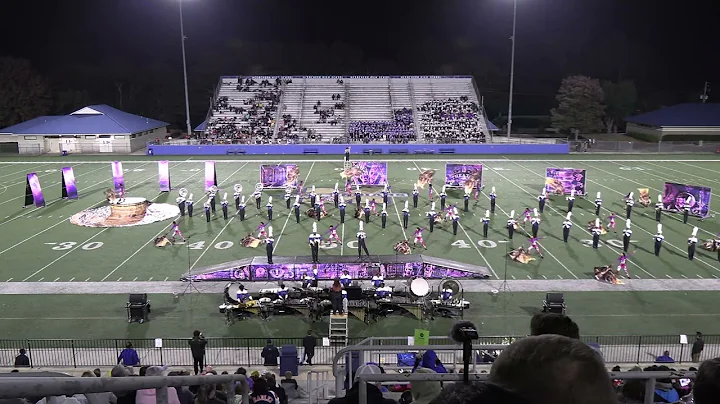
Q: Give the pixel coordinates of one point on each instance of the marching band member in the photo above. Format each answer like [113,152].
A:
[241,208]
[385,193]
[314,240]
[430,190]
[455,221]
[175,230]
[535,246]
[598,204]
[361,236]
[383,215]
[416,193]
[207,207]
[288,197]
[296,208]
[366,209]
[348,187]
[443,198]
[449,212]
[493,195]
[623,264]
[686,209]
[373,206]
[511,223]
[269,208]
[567,224]
[535,223]
[542,198]
[526,216]
[224,205]
[571,200]
[431,216]
[446,294]
[347,153]
[466,202]
[262,230]
[257,194]
[318,209]
[269,245]
[627,233]
[596,231]
[406,215]
[341,206]
[310,279]
[658,209]
[629,203]
[611,224]
[313,196]
[236,196]
[419,237]
[383,292]
[181,205]
[243,294]
[486,223]
[211,198]
[658,238]
[378,280]
[345,279]
[692,243]
[283,292]
[322,206]
[189,204]
[333,236]
[358,195]
[336,195]
[476,193]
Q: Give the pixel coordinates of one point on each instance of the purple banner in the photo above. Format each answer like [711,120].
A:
[367,173]
[164,175]
[675,196]
[118,177]
[560,181]
[467,176]
[34,184]
[296,272]
[210,176]
[279,176]
[69,187]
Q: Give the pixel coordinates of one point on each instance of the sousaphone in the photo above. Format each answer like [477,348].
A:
[238,188]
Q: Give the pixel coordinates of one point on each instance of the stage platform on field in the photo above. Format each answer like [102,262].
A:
[295,268]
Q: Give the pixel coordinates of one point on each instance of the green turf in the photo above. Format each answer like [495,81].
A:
[127,254]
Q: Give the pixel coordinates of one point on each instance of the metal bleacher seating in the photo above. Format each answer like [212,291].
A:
[312,90]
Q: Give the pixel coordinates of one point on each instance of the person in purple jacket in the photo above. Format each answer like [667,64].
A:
[129,356]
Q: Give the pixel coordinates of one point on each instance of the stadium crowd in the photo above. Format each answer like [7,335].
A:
[399,130]
[454,120]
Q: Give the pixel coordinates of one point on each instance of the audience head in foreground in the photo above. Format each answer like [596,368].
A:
[553,369]
[554,323]
[478,392]
[707,384]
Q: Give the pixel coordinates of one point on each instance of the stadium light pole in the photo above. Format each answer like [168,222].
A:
[512,70]
[187,98]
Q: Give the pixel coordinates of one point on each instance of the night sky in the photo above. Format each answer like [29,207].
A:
[668,48]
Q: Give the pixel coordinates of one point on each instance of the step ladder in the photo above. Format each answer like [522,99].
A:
[338,333]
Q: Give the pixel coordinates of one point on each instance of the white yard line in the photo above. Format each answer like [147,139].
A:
[22,171]
[342,237]
[164,228]
[277,242]
[62,221]
[699,167]
[466,234]
[58,172]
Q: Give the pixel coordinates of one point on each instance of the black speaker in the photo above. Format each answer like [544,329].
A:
[555,298]
[354,292]
[554,303]
[138,298]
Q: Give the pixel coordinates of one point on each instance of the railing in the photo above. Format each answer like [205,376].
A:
[496,140]
[246,351]
[644,147]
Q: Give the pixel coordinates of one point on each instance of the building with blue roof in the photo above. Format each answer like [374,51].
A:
[690,121]
[92,129]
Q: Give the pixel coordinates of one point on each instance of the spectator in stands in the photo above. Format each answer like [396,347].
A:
[454,120]
[664,390]
[22,360]
[99,398]
[270,354]
[97,372]
[290,385]
[553,369]
[697,347]
[241,371]
[309,343]
[275,388]
[374,395]
[707,384]
[147,396]
[483,392]
[554,323]
[424,391]
[429,360]
[125,397]
[206,394]
[665,358]
[129,356]
[261,394]
[197,348]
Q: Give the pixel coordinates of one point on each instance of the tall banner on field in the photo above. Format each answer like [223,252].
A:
[677,196]
[164,175]
[372,173]
[118,177]
[466,176]
[33,192]
[560,181]
[69,187]
[210,175]
[279,175]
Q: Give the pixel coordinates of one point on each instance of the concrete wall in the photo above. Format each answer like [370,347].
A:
[338,149]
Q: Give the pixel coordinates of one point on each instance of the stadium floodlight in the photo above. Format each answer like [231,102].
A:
[187,99]
[512,70]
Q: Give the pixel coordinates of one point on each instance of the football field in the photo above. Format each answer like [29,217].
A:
[41,245]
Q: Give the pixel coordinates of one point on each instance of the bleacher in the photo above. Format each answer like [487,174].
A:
[330,108]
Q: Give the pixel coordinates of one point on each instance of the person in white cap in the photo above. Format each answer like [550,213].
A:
[269,245]
[443,197]
[288,197]
[658,209]
[336,195]
[455,221]
[269,208]
[296,208]
[361,236]
[535,223]
[658,239]
[596,232]
[367,209]
[383,215]
[511,223]
[207,207]
[416,194]
[686,209]
[313,196]
[241,208]
[598,204]
[189,205]
[542,198]
[493,196]
[486,223]
[571,200]
[567,225]
[314,240]
[258,197]
[385,193]
[627,234]
[358,195]
[629,203]
[466,202]
[224,205]
[342,207]
[211,199]
[692,243]
[431,214]
[406,215]
[236,196]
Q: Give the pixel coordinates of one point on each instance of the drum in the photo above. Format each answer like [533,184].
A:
[419,287]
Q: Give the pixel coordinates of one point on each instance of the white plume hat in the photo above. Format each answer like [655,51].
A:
[660,198]
[384,205]
[487,213]
[270,231]
[512,214]
[342,200]
[659,228]
[493,189]
[242,198]
[361,225]
[572,192]
[455,211]
[336,186]
[313,188]
[535,211]
[627,224]
[191,197]
[694,232]
[225,195]
[432,206]
[568,216]
[443,189]
[631,195]
[270,199]
[597,222]
[598,195]
[314,227]
[406,204]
